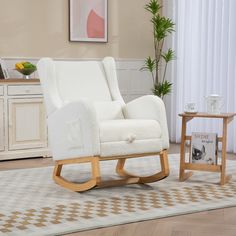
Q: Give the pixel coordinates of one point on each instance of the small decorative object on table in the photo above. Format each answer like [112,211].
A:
[214,103]
[190,108]
[26,69]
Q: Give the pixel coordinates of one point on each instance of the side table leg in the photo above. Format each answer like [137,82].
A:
[224,179]
[182,150]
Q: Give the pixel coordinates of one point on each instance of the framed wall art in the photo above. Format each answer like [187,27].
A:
[88,20]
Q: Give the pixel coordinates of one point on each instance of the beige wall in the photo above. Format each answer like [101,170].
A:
[37,28]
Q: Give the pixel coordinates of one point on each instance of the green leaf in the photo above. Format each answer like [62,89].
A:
[169,55]
[162,89]
[153,6]
[162,27]
[149,64]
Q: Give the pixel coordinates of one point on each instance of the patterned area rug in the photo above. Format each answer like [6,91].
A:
[32,204]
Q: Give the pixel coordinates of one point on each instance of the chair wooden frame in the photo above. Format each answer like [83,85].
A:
[96,181]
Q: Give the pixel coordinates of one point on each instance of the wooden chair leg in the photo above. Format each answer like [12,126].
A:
[75,186]
[147,179]
[57,170]
[164,163]
[96,169]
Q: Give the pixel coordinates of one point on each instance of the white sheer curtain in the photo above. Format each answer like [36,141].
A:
[205,46]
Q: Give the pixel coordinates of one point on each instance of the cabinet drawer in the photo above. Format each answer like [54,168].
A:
[24,90]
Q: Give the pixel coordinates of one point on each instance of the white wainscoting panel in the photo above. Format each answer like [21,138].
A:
[132,82]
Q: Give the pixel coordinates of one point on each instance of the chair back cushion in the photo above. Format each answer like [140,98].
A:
[81,79]
[67,81]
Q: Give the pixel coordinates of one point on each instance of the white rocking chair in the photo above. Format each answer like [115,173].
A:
[88,121]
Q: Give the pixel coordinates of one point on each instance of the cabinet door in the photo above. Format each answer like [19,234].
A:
[27,123]
[2,135]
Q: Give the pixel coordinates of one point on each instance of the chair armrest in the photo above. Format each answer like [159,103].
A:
[74,131]
[149,107]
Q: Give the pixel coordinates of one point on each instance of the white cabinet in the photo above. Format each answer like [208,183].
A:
[27,127]
[23,130]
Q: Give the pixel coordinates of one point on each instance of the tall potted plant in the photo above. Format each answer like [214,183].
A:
[162,27]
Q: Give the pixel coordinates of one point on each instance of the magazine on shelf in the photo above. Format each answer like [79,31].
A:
[3,70]
[204,148]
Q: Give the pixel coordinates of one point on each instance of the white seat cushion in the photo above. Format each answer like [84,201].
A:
[129,136]
[122,130]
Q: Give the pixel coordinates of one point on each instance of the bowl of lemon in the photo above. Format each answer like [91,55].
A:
[25,68]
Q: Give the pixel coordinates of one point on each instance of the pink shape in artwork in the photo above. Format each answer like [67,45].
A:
[95,25]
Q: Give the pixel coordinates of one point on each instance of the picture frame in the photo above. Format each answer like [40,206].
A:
[3,70]
[88,21]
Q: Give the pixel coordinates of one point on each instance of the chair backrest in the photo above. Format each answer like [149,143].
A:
[65,81]
[85,79]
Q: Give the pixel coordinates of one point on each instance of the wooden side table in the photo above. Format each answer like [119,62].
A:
[186,117]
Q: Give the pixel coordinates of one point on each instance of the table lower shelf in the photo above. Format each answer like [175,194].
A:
[202,167]
[184,176]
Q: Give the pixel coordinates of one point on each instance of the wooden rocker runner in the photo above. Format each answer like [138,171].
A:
[95,181]
[89,122]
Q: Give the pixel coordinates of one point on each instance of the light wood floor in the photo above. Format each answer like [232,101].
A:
[217,222]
